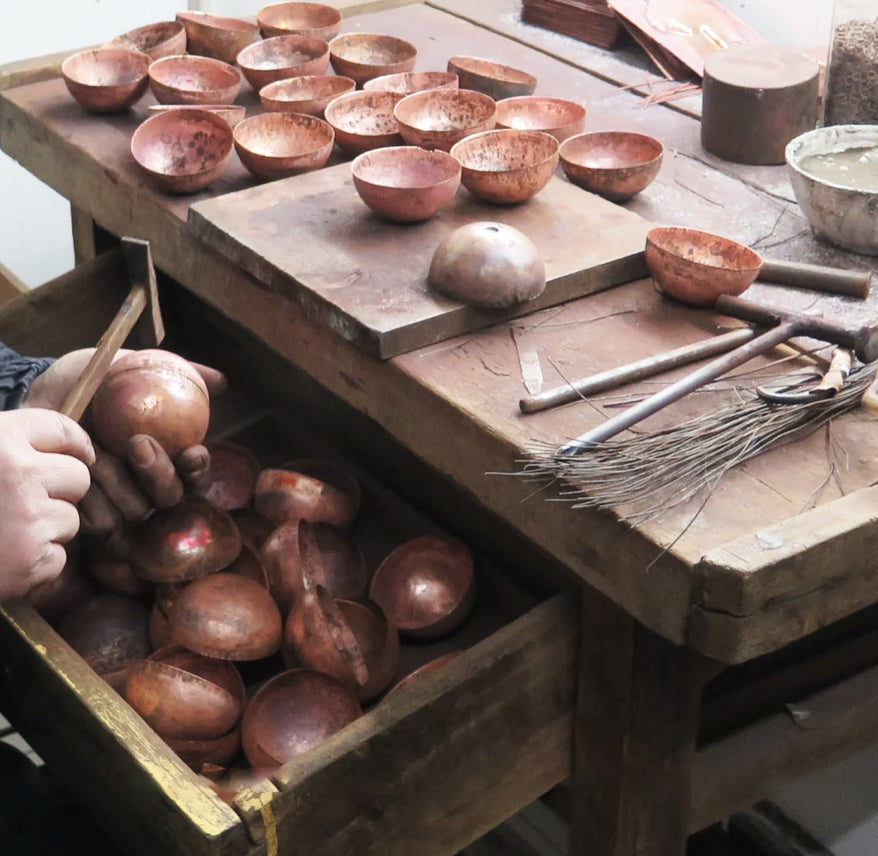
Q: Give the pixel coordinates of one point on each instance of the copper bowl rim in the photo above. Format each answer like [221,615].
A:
[514,100]
[216,22]
[359,97]
[176,27]
[509,133]
[578,139]
[444,96]
[658,236]
[410,50]
[334,16]
[270,89]
[304,40]
[377,84]
[505,73]
[205,62]
[392,152]
[299,120]
[104,52]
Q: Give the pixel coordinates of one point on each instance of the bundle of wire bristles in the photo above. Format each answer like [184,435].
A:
[644,476]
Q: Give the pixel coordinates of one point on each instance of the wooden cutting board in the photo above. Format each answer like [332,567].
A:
[312,238]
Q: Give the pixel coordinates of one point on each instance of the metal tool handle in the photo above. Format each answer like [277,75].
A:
[853,283]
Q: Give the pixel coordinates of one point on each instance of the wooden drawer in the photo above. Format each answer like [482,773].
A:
[425,772]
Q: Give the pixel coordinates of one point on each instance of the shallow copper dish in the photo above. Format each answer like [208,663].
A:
[506,166]
[281,57]
[183,151]
[276,145]
[166,38]
[364,120]
[194,80]
[407,82]
[405,183]
[232,475]
[217,36]
[556,116]
[232,113]
[438,118]
[491,78]
[308,94]
[613,164]
[106,80]
[363,56]
[697,267]
[306,19]
[426,586]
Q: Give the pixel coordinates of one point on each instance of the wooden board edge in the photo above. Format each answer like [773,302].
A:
[33,70]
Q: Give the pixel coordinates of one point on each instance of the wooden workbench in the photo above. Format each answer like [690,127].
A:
[779,552]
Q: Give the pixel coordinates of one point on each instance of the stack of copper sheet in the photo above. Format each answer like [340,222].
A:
[587,20]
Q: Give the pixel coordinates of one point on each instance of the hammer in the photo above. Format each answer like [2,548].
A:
[783,324]
[143,295]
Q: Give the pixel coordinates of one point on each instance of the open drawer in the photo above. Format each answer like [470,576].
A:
[424,772]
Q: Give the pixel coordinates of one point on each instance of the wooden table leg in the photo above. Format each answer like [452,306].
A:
[83,227]
[637,713]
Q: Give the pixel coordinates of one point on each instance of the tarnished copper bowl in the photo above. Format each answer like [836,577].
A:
[438,118]
[309,94]
[232,475]
[217,36]
[363,56]
[232,113]
[331,558]
[506,166]
[292,713]
[613,164]
[407,82]
[492,78]
[364,120]
[276,145]
[281,57]
[697,267]
[405,183]
[106,80]
[166,38]
[183,151]
[556,116]
[306,19]
[426,586]
[194,80]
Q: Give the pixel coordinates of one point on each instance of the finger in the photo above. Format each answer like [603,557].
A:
[120,486]
[97,514]
[193,465]
[155,472]
[64,477]
[215,380]
[49,431]
[60,521]
[49,564]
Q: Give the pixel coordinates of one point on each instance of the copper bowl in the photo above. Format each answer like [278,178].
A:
[166,38]
[491,78]
[438,118]
[194,80]
[217,36]
[254,526]
[305,19]
[226,616]
[309,94]
[556,116]
[281,57]
[106,80]
[364,120]
[407,82]
[427,669]
[231,477]
[248,564]
[426,586]
[183,151]
[282,562]
[363,56]
[106,559]
[292,713]
[277,145]
[198,753]
[232,113]
[613,164]
[506,166]
[182,543]
[697,267]
[405,183]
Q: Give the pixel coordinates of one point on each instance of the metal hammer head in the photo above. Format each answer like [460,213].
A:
[149,330]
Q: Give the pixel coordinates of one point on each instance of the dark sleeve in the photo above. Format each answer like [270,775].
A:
[16,375]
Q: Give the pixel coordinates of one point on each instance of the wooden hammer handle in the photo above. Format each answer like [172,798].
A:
[853,283]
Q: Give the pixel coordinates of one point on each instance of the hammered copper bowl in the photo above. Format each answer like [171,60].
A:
[364,120]
[308,94]
[614,164]
[277,145]
[697,267]
[491,78]
[438,118]
[155,40]
[232,113]
[407,82]
[106,80]
[217,36]
[405,183]
[292,713]
[426,586]
[194,80]
[556,116]
[363,56]
[281,57]
[306,19]
[183,150]
[506,166]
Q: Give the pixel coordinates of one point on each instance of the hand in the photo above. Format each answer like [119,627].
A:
[44,461]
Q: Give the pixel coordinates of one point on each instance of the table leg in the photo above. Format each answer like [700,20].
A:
[83,228]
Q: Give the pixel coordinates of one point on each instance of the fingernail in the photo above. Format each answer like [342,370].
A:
[140,451]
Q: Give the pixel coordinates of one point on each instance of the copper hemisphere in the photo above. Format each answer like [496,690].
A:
[378,641]
[556,116]
[218,751]
[282,562]
[614,164]
[232,475]
[697,267]
[438,118]
[426,586]
[281,57]
[492,78]
[107,561]
[363,56]
[305,94]
[186,79]
[106,80]
[292,713]
[254,526]
[232,113]
[165,38]
[415,677]
[277,145]
[248,564]
[307,19]
[407,82]
[364,120]
[329,557]
[217,36]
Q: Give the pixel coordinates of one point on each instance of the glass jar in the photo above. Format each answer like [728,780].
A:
[850,94]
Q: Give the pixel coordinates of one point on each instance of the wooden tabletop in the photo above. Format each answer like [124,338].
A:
[777,550]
